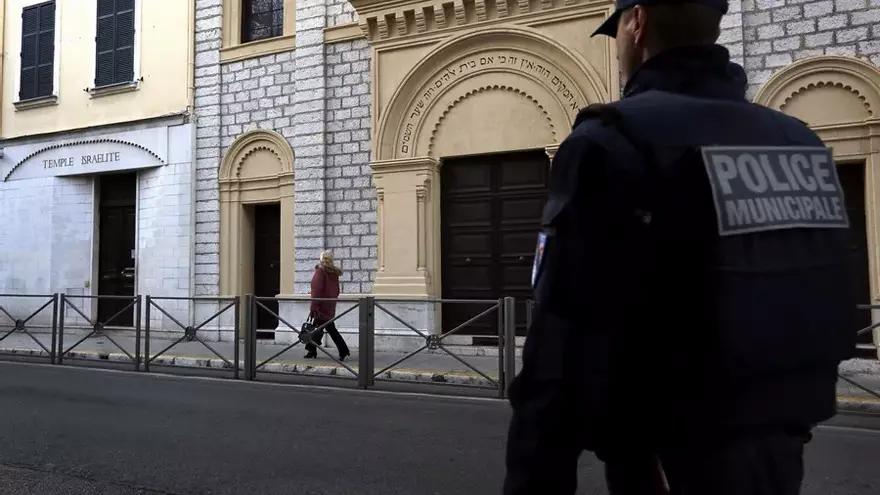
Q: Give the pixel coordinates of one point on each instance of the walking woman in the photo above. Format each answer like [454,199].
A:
[325,285]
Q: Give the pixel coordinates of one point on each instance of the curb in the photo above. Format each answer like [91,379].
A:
[845,403]
[289,367]
[858,404]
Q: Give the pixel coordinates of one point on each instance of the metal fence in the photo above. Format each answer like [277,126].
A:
[190,332]
[497,309]
[20,322]
[98,326]
[861,333]
[242,323]
[253,365]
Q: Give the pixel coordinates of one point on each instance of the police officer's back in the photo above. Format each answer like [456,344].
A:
[693,298]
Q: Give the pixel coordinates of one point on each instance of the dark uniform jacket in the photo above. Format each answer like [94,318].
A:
[648,323]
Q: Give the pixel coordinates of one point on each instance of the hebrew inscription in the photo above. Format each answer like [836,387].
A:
[551,76]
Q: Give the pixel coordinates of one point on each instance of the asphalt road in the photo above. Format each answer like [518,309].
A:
[78,431]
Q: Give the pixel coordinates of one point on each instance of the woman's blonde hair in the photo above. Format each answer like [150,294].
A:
[328,263]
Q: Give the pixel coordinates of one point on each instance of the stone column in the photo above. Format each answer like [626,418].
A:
[209,15]
[409,227]
[309,122]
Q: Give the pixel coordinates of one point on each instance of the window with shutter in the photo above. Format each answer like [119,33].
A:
[262,19]
[37,51]
[114,43]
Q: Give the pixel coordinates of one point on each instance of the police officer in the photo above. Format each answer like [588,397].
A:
[692,291]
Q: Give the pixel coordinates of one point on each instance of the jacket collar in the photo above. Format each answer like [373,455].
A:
[704,71]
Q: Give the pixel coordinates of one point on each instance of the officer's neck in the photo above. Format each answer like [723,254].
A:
[683,68]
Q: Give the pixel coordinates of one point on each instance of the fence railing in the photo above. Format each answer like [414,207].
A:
[98,326]
[190,332]
[861,333]
[258,304]
[435,341]
[20,322]
[241,320]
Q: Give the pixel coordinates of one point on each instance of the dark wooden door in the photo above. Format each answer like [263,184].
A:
[491,215]
[267,261]
[852,178]
[116,247]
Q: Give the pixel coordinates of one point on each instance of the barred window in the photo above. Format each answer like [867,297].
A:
[262,19]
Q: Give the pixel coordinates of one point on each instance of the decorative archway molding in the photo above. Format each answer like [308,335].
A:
[521,62]
[848,88]
[487,91]
[839,97]
[256,169]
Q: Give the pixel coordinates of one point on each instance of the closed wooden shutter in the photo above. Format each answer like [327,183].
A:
[114,43]
[37,51]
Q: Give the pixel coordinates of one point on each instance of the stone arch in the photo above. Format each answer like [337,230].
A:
[825,91]
[257,169]
[251,143]
[520,68]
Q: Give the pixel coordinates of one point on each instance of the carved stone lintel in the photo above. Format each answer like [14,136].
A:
[401,24]
[439,16]
[423,191]
[365,27]
[482,15]
[384,28]
[503,10]
[421,24]
[460,17]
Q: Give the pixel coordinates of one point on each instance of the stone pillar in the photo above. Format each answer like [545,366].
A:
[409,227]
[309,120]
[209,14]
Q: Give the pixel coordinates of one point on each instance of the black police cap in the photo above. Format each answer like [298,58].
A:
[609,27]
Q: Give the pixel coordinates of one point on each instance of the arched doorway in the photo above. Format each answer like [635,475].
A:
[473,104]
[256,219]
[839,97]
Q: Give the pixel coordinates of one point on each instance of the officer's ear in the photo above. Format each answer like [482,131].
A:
[638,25]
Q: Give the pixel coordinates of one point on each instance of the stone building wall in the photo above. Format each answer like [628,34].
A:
[351,195]
[209,19]
[776,33]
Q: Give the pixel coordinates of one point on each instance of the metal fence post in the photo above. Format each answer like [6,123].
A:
[530,309]
[252,328]
[502,353]
[366,342]
[248,345]
[137,334]
[235,335]
[61,329]
[147,336]
[509,342]
[54,348]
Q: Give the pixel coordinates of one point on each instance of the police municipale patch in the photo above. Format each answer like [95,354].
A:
[759,189]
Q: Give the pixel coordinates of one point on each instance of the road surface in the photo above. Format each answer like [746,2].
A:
[79,431]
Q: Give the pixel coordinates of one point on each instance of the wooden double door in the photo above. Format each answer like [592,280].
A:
[491,209]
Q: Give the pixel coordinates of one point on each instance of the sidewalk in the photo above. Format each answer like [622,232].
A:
[426,366]
[866,373]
